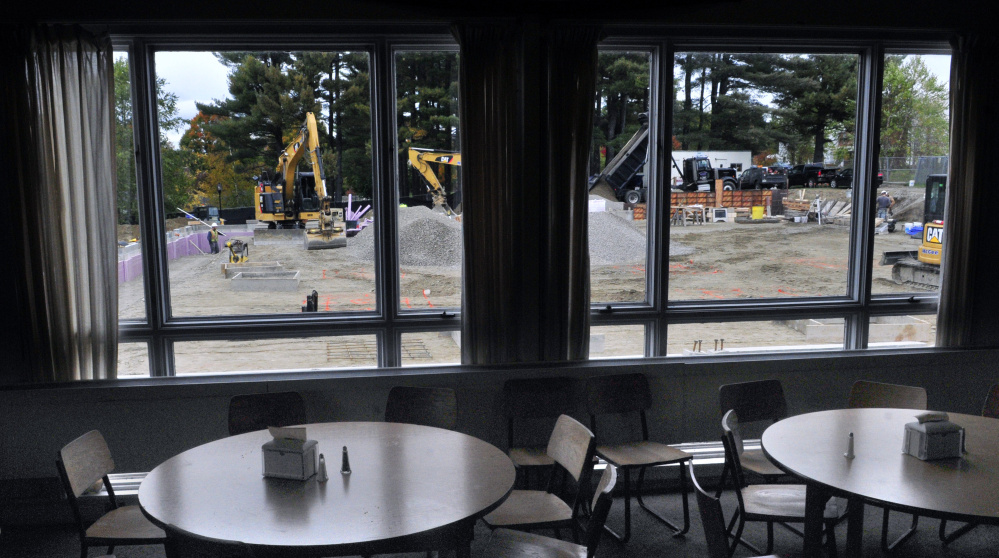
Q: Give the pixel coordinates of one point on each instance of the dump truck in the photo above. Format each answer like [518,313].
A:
[623,173]
[293,199]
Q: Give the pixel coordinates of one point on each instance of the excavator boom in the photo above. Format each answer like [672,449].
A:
[420,159]
[296,200]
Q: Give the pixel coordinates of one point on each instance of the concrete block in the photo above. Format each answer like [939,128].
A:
[279,281]
[229,270]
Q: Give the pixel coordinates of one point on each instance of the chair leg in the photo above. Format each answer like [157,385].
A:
[888,547]
[623,538]
[677,531]
[737,537]
[831,538]
[721,480]
[770,538]
[958,533]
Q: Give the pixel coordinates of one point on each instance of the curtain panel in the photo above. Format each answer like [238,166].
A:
[526,104]
[65,193]
[963,319]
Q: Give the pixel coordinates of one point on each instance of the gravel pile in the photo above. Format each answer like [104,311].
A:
[428,238]
[614,240]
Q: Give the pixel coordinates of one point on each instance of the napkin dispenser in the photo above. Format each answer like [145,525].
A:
[289,459]
[933,437]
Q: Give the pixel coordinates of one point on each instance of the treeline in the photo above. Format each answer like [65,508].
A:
[781,107]
[233,141]
[784,108]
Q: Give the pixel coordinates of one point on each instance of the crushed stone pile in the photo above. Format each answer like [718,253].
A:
[426,238]
[614,240]
[430,239]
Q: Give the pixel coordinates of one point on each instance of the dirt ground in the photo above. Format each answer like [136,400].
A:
[727,261]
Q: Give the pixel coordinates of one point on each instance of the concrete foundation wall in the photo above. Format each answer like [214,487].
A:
[186,241]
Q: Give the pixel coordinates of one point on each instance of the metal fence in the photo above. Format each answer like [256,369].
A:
[905,171]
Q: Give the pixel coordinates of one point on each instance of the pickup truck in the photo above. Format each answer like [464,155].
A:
[809,175]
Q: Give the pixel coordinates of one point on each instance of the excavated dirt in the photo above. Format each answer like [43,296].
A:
[706,262]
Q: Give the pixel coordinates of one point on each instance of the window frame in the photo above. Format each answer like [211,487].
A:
[159,329]
[388,323]
[858,305]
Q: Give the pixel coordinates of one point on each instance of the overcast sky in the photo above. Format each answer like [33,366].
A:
[200,77]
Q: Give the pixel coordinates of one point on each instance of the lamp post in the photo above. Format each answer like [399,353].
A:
[219,187]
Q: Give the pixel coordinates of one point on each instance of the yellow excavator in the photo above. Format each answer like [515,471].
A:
[298,200]
[420,159]
[921,268]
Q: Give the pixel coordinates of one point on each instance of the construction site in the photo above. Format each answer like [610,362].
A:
[772,256]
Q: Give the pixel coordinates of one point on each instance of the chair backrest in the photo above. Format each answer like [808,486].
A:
[602,501]
[536,398]
[83,462]
[572,446]
[256,411]
[712,519]
[732,443]
[865,394]
[426,406]
[622,393]
[991,407]
[758,400]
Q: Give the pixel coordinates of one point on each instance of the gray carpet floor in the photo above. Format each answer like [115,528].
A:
[649,537]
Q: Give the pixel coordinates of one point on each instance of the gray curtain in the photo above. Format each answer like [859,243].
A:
[527,95]
[965,319]
[65,197]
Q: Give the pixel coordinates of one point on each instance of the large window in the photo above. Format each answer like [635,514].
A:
[279,224]
[755,205]
[301,207]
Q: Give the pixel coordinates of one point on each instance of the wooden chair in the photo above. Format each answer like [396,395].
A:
[571,448]
[866,395]
[712,520]
[505,543]
[426,406]
[756,401]
[630,394]
[256,411]
[82,463]
[990,410]
[770,503]
[534,401]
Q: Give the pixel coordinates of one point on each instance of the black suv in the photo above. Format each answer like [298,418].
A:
[809,175]
[844,179]
[756,178]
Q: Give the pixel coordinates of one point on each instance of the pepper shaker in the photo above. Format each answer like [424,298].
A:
[345,465]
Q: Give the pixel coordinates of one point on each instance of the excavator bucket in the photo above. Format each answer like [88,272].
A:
[319,241]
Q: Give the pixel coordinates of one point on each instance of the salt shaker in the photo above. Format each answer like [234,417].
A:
[849,448]
[321,476]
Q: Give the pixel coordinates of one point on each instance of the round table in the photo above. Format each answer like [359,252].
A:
[811,446]
[411,488]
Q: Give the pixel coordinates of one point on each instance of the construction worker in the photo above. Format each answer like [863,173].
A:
[884,204]
[213,238]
